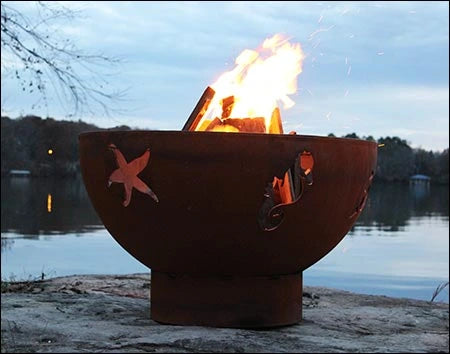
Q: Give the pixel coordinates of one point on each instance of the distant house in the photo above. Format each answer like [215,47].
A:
[419,180]
[19,173]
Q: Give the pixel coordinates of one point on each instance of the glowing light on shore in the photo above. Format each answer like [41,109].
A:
[49,203]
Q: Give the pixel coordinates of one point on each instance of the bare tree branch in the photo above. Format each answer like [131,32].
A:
[41,58]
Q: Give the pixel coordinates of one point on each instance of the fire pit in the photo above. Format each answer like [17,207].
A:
[213,262]
[226,221]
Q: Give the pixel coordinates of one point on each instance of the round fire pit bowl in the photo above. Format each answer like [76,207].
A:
[201,210]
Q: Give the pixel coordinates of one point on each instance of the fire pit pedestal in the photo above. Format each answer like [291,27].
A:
[227,301]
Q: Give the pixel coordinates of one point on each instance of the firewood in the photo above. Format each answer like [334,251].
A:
[227,106]
[247,125]
[243,125]
[199,110]
[214,123]
[204,125]
[275,122]
[225,128]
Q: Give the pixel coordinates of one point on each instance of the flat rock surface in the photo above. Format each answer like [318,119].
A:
[112,314]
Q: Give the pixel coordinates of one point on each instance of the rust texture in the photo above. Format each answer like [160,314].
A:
[226,301]
[210,188]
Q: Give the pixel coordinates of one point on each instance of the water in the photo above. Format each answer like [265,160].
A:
[398,247]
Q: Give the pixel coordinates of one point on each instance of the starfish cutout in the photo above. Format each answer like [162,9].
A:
[127,174]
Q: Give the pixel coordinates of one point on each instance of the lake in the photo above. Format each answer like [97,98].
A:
[398,247]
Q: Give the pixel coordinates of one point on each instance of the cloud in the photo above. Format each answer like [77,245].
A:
[173,50]
[416,113]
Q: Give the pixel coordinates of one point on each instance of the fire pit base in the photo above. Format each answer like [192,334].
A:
[226,301]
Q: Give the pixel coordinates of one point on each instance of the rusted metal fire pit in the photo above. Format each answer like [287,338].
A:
[223,250]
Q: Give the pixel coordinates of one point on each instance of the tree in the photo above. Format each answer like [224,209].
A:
[395,160]
[425,162]
[351,136]
[443,167]
[25,143]
[35,55]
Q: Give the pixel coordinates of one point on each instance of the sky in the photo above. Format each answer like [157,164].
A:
[373,68]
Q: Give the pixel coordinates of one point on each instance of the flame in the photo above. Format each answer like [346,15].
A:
[225,128]
[261,79]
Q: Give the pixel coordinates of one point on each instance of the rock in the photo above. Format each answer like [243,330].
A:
[112,314]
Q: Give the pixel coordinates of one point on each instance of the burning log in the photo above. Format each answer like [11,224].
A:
[227,106]
[199,110]
[247,125]
[214,123]
[205,124]
[275,122]
[243,125]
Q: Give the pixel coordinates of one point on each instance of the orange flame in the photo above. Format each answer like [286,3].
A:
[261,79]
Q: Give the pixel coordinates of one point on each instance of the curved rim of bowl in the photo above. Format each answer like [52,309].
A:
[87,134]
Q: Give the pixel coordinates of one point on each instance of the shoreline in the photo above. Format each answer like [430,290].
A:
[111,313]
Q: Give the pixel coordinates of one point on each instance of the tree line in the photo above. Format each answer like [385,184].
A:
[45,147]
[397,161]
[26,141]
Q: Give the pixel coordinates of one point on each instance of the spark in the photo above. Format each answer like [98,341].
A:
[345,11]
[380,53]
[298,126]
[328,115]
[346,93]
[412,12]
[380,145]
[311,36]
[351,35]
[320,19]
[349,70]
[346,60]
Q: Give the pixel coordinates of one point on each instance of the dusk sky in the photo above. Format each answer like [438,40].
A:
[374,68]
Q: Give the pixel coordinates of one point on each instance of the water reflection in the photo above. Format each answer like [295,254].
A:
[32,206]
[391,206]
[49,203]
[410,265]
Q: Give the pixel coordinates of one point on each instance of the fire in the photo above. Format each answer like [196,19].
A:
[246,99]
[261,80]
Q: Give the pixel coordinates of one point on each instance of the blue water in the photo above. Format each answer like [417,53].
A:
[398,247]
